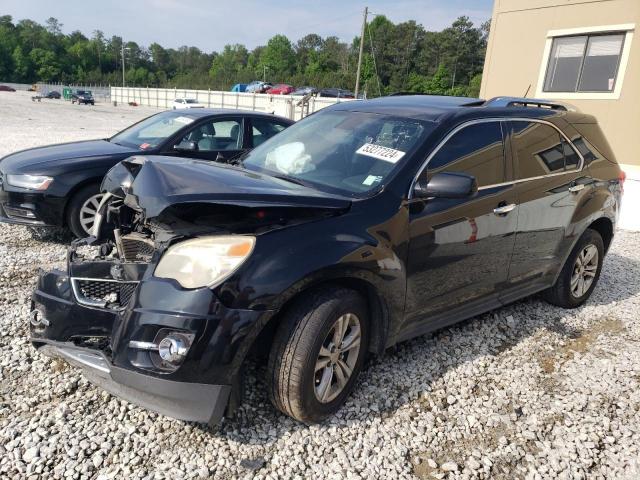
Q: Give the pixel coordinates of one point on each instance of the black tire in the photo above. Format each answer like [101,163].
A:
[561,293]
[291,372]
[75,205]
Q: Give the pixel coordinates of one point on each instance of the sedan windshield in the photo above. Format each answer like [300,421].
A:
[152,131]
[347,152]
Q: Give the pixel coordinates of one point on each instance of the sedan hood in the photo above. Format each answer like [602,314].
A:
[151,184]
[36,158]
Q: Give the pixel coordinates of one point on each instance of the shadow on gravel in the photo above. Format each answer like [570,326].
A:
[385,386]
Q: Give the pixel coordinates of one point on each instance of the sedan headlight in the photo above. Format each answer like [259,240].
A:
[32,182]
[204,261]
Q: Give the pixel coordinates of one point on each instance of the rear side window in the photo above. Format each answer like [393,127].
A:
[477,150]
[541,150]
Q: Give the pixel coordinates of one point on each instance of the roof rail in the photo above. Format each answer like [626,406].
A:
[528,102]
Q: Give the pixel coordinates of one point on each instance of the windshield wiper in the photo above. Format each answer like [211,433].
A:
[239,158]
[288,178]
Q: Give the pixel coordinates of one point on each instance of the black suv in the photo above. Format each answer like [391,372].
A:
[363,225]
[83,97]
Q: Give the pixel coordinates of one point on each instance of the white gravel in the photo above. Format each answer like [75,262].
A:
[529,391]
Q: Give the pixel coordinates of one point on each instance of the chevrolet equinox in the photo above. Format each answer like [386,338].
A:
[363,225]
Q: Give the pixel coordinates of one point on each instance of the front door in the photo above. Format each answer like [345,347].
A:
[460,249]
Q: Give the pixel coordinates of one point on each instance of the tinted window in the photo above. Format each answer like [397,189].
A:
[477,150]
[541,150]
[584,63]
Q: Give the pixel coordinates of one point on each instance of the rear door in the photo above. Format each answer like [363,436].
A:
[459,250]
[549,186]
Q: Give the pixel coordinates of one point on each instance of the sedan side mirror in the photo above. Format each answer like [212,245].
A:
[186,147]
[446,185]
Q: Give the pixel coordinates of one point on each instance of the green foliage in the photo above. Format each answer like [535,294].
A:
[397,57]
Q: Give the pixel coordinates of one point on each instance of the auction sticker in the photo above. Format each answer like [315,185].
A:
[381,153]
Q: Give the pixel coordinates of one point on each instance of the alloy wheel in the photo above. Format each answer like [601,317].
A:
[337,358]
[585,269]
[88,212]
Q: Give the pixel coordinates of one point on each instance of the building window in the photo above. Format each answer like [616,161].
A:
[584,63]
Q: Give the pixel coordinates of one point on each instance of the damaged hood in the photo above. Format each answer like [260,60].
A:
[151,184]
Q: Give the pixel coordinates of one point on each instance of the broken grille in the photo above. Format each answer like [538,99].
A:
[103,293]
[135,248]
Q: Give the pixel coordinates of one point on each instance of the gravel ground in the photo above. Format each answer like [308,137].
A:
[528,391]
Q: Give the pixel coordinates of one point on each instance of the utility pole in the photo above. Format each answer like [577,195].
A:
[122,63]
[364,25]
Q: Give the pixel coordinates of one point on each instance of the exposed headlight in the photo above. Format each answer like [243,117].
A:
[32,182]
[204,261]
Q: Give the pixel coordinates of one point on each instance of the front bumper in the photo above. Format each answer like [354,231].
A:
[31,208]
[194,402]
[103,341]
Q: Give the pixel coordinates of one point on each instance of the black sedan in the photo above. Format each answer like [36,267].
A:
[83,97]
[54,95]
[59,185]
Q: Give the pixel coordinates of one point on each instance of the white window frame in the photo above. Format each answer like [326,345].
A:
[627,29]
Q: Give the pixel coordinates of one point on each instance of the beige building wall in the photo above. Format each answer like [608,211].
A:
[517,56]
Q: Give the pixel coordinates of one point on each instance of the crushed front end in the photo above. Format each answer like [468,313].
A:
[170,349]
[155,306]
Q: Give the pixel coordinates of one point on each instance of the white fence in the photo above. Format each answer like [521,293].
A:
[283,105]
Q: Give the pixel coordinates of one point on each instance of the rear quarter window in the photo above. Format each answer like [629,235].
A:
[593,139]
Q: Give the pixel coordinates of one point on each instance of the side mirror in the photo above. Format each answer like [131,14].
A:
[186,147]
[446,185]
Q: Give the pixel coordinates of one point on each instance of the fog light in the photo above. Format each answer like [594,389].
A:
[173,348]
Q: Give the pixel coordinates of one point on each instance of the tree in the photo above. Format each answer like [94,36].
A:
[278,57]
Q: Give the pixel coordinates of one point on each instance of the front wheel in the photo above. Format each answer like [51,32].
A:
[317,354]
[580,273]
[82,210]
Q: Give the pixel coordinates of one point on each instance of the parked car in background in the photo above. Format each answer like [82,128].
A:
[54,94]
[239,87]
[305,91]
[258,86]
[83,97]
[280,89]
[361,226]
[6,88]
[335,93]
[59,185]
[179,103]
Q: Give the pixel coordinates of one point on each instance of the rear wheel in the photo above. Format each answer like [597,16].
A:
[82,210]
[580,273]
[317,354]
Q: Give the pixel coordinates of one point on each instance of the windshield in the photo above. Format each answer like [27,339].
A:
[347,152]
[152,131]
[191,100]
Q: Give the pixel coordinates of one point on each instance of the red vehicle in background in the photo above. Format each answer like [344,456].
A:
[281,89]
[6,88]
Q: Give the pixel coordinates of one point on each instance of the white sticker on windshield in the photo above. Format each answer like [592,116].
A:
[381,153]
[185,120]
[371,179]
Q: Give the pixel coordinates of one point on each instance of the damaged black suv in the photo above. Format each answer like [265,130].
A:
[361,226]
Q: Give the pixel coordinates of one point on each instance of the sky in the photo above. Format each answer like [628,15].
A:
[211,24]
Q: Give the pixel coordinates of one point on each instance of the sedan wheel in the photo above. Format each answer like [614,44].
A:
[337,358]
[584,271]
[88,212]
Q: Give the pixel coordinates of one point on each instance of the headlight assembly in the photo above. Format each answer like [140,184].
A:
[32,182]
[205,261]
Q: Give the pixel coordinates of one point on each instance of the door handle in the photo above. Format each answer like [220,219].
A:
[576,188]
[503,210]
